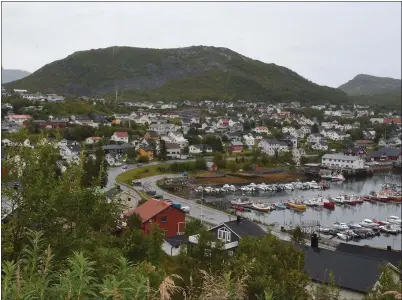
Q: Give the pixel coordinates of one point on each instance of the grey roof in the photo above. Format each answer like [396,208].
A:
[172,146]
[177,240]
[74,148]
[236,143]
[341,156]
[245,228]
[112,147]
[353,272]
[392,256]
[386,151]
[271,141]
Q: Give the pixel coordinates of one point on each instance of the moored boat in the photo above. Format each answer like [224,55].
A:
[241,201]
[299,205]
[263,207]
[280,206]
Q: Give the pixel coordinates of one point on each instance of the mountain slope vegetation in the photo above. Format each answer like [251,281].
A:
[191,73]
[364,84]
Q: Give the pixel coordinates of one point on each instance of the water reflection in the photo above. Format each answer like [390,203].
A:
[366,210]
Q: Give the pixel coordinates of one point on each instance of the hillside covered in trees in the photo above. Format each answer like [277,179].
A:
[190,73]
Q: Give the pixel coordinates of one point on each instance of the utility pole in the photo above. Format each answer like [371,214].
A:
[202,199]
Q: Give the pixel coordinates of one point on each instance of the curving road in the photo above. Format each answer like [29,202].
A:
[205,214]
[113,172]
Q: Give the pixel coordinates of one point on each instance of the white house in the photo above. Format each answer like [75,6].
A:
[142,120]
[163,128]
[197,149]
[314,138]
[71,152]
[178,138]
[173,150]
[290,130]
[269,146]
[249,140]
[92,140]
[321,146]
[342,161]
[18,118]
[261,129]
[120,136]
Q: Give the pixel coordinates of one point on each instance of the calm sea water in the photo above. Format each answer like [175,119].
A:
[340,213]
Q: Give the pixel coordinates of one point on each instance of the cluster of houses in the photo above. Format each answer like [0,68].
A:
[246,130]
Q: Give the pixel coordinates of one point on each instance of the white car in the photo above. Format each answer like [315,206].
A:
[186,209]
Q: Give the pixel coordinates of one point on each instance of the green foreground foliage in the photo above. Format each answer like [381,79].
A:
[61,242]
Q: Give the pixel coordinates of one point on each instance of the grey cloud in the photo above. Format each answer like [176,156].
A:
[328,43]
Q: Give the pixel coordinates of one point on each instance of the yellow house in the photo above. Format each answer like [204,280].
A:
[146,152]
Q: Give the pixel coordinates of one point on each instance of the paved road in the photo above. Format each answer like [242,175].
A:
[206,214]
[113,172]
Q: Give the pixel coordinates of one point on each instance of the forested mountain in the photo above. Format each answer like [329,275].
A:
[189,73]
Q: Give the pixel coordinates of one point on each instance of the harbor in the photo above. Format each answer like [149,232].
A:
[355,202]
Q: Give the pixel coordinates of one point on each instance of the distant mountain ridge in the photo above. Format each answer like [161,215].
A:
[190,73]
[364,84]
[9,75]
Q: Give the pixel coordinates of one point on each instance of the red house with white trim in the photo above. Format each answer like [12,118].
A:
[166,215]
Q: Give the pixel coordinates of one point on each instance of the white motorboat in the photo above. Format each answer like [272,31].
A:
[390,229]
[342,236]
[264,207]
[368,223]
[313,185]
[354,225]
[340,226]
[241,201]
[324,229]
[394,220]
[339,200]
[289,187]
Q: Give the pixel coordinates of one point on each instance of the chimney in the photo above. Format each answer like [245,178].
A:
[314,240]
[238,219]
[389,248]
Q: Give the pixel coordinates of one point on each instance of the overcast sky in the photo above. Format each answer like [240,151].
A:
[328,43]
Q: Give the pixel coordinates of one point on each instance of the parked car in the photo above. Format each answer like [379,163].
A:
[136,182]
[186,209]
[124,167]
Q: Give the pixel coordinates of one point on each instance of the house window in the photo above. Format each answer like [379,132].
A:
[164,219]
[224,234]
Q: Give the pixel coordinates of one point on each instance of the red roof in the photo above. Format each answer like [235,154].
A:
[390,120]
[364,142]
[14,116]
[225,121]
[95,138]
[121,134]
[149,209]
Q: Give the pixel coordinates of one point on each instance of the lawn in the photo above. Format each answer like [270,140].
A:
[145,171]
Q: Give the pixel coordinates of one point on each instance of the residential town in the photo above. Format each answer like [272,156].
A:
[325,136]
[212,127]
